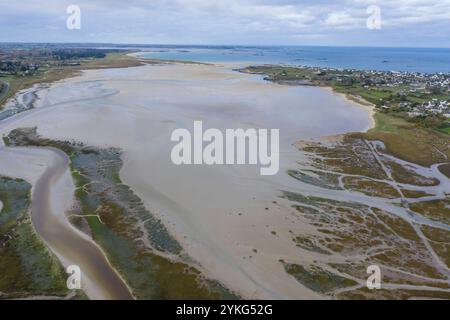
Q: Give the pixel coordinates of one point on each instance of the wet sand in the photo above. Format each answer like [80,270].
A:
[220,214]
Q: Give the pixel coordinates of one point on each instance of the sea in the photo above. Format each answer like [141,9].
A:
[423,60]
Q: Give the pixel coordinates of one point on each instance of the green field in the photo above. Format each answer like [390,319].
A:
[445,130]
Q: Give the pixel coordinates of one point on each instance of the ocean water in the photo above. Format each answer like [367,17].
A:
[424,60]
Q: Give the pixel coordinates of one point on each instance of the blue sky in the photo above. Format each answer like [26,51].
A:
[417,23]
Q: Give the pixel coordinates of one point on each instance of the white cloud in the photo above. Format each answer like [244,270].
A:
[230,21]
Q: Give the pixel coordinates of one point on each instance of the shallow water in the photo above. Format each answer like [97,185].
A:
[426,60]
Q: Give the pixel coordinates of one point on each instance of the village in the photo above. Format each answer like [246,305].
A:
[17,61]
[418,94]
[415,86]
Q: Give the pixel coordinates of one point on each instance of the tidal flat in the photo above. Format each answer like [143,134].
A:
[287,236]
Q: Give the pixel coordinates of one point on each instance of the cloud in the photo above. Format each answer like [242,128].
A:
[341,22]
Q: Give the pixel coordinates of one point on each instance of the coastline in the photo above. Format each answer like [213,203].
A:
[139,54]
[366,105]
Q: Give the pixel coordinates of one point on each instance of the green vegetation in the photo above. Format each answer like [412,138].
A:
[370,187]
[317,278]
[438,210]
[409,141]
[445,169]
[308,243]
[445,130]
[323,180]
[27,267]
[440,241]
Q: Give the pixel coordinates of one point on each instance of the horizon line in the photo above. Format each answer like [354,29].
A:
[220,45]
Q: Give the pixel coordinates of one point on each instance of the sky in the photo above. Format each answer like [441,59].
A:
[403,23]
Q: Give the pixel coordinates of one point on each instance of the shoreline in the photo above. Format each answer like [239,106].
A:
[139,54]
[369,107]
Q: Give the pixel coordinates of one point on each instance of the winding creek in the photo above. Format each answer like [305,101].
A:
[71,246]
